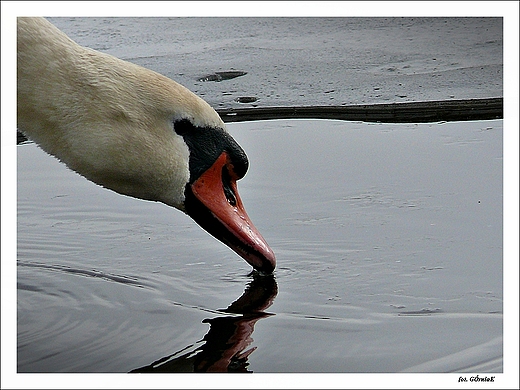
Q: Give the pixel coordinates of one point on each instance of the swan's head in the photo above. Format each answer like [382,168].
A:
[216,162]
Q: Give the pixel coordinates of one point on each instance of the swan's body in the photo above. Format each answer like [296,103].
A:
[133,131]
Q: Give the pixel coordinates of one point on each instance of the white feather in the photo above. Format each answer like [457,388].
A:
[107,119]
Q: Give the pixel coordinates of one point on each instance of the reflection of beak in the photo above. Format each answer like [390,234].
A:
[257,297]
[224,348]
[213,202]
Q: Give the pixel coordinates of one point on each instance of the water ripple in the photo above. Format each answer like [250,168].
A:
[123,279]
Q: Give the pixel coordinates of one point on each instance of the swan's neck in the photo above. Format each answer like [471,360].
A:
[107,119]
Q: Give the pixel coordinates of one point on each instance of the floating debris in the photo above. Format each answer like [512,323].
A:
[422,312]
[246,99]
[220,76]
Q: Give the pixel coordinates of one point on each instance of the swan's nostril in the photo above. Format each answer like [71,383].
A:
[230,196]
[228,187]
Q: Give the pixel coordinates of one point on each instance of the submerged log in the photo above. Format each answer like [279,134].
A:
[408,112]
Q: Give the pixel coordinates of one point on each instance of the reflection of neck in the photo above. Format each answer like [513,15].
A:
[258,295]
[225,344]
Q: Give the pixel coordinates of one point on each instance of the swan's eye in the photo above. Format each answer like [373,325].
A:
[228,187]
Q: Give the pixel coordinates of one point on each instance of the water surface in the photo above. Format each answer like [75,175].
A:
[388,240]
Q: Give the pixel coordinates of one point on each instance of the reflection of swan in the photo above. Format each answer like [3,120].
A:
[133,131]
[223,348]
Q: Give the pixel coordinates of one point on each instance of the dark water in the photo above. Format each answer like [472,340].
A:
[389,246]
[388,237]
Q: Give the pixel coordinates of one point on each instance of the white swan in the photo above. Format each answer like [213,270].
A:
[133,131]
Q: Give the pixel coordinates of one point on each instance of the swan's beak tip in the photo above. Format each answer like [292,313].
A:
[252,247]
[264,261]
[271,262]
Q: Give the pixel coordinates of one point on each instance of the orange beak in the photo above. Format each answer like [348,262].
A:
[217,207]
